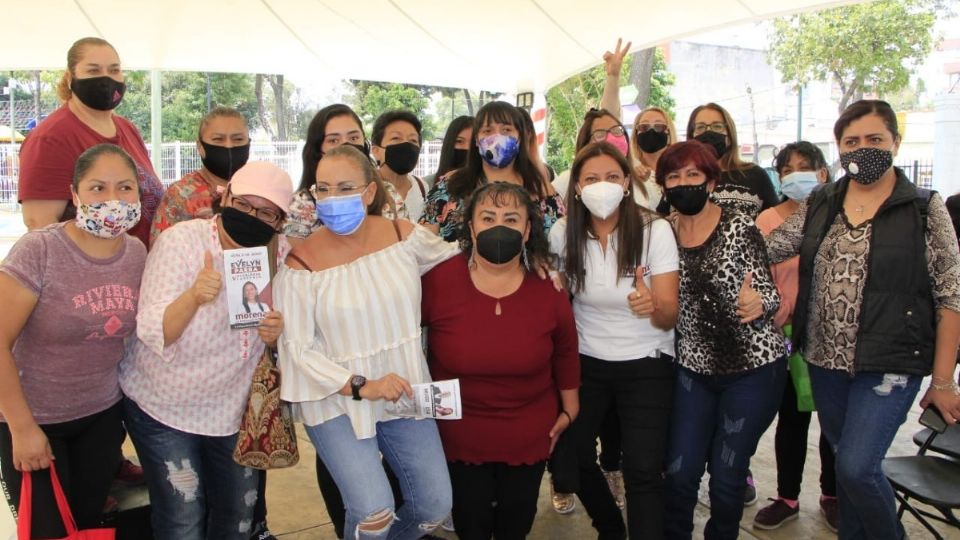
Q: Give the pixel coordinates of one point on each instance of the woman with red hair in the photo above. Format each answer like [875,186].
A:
[730,356]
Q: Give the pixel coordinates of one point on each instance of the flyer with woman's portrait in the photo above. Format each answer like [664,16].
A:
[247,285]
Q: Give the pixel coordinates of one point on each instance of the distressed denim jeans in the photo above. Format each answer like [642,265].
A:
[717,421]
[413,450]
[860,416]
[197,491]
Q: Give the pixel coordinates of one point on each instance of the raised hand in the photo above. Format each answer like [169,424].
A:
[749,303]
[207,285]
[641,300]
[614,60]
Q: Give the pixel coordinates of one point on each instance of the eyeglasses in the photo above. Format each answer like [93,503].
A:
[320,191]
[659,128]
[600,134]
[266,215]
[717,127]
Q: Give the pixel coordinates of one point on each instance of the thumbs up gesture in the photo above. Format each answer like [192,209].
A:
[642,302]
[207,285]
[749,303]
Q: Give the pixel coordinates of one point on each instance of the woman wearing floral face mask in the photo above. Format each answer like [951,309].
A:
[497,155]
[223,142]
[802,168]
[91,88]
[731,364]
[621,265]
[878,309]
[187,377]
[71,292]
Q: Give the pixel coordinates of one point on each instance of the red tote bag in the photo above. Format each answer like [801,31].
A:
[26,512]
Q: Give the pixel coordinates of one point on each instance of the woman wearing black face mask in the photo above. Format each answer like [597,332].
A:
[332,126]
[730,356]
[453,152]
[396,142]
[511,340]
[741,184]
[91,87]
[223,142]
[878,309]
[187,378]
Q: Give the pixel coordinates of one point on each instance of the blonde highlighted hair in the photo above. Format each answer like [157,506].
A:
[74,54]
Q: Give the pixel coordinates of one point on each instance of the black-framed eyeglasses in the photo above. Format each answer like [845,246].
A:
[601,134]
[716,127]
[266,215]
[659,128]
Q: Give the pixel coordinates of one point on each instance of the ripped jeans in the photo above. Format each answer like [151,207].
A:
[197,491]
[717,421]
[860,416]
[413,450]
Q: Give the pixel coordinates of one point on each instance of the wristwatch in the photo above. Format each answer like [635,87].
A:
[356,383]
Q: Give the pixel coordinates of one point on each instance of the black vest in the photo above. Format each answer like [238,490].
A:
[897,326]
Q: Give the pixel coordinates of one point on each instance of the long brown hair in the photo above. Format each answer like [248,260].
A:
[632,221]
[730,161]
[74,54]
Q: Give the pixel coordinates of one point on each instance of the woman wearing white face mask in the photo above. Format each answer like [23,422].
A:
[621,265]
[802,168]
[71,292]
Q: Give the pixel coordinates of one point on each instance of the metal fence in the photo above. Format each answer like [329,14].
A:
[179,158]
[919,172]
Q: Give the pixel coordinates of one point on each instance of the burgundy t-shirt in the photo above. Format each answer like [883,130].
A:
[69,350]
[50,152]
[511,366]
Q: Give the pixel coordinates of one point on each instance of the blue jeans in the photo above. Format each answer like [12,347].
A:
[717,421]
[197,491]
[413,450]
[860,416]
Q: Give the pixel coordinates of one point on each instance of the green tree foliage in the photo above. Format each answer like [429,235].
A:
[570,100]
[867,47]
[372,98]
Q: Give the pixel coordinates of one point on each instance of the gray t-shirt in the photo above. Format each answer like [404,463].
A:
[69,349]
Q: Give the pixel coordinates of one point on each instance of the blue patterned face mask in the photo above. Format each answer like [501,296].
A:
[342,215]
[499,150]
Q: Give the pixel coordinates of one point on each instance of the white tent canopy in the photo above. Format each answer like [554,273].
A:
[503,45]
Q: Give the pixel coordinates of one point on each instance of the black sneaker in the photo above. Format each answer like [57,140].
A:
[750,494]
[775,515]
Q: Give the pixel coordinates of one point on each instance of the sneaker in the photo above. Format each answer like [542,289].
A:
[750,494]
[447,524]
[775,515]
[615,482]
[130,474]
[831,514]
[563,503]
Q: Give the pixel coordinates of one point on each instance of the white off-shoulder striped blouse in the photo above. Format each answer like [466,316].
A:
[359,318]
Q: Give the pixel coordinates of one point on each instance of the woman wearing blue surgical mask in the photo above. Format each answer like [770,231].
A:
[802,168]
[223,142]
[878,309]
[352,345]
[332,126]
[498,154]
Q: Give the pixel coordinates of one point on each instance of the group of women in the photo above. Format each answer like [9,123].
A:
[661,332]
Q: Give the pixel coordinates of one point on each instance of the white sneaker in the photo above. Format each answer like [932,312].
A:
[563,503]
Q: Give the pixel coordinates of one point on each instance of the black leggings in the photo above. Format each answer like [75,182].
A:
[494,500]
[87,459]
[791,449]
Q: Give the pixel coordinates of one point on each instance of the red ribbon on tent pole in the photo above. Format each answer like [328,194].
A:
[26,512]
